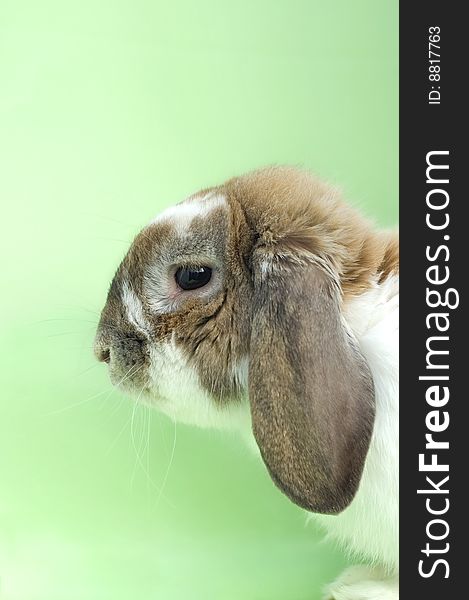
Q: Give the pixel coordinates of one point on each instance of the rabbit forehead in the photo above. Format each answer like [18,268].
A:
[181,216]
[193,229]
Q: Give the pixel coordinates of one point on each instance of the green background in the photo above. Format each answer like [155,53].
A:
[111,111]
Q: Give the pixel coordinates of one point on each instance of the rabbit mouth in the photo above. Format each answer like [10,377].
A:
[130,380]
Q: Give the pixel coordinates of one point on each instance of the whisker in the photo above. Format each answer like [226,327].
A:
[148,446]
[109,391]
[91,367]
[132,437]
[110,219]
[121,431]
[58,411]
[108,239]
[165,478]
[139,461]
[62,319]
[53,335]
[78,307]
[117,406]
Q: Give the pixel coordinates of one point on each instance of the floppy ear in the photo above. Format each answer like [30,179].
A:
[311,391]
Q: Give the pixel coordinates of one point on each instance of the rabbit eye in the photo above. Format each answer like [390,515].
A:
[193,277]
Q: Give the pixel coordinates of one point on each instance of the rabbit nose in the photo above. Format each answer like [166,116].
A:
[102,347]
[103,353]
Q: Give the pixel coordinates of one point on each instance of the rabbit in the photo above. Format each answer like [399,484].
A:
[269,306]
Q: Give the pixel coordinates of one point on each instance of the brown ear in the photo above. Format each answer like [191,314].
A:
[311,391]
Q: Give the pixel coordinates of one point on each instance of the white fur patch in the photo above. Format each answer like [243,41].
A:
[369,526]
[241,373]
[134,310]
[181,215]
[180,395]
[363,583]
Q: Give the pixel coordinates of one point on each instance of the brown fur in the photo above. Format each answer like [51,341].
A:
[290,208]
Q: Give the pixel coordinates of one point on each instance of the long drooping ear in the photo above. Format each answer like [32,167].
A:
[311,391]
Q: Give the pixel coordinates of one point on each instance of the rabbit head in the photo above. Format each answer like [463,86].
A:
[231,303]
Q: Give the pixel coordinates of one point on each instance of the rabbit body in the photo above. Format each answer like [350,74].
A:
[269,306]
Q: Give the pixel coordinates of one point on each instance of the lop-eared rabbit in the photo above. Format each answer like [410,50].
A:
[270,306]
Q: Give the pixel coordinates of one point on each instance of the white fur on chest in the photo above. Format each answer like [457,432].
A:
[369,526]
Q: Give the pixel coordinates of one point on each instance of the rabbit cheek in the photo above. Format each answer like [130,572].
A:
[196,366]
[176,391]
